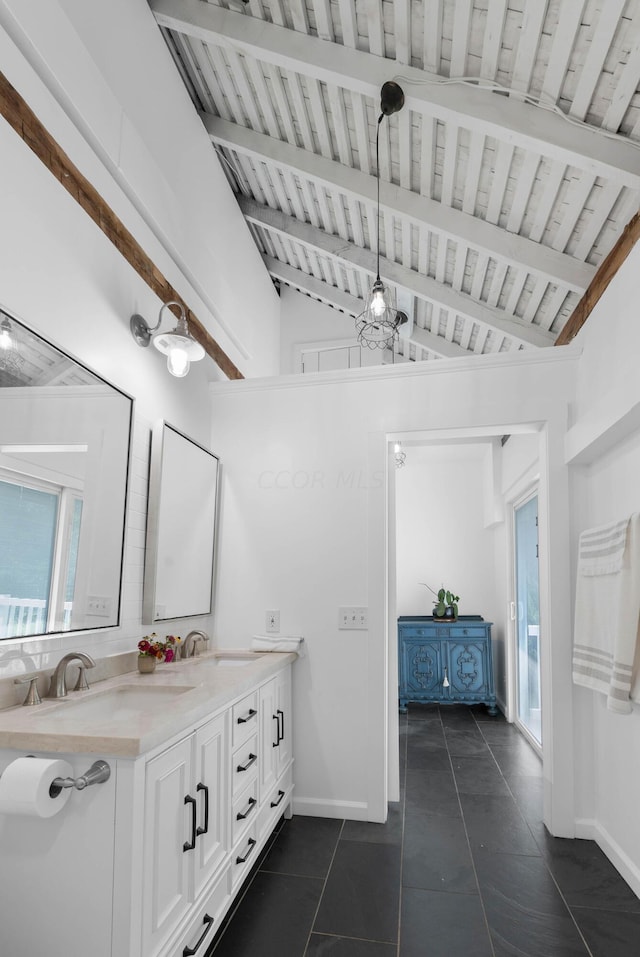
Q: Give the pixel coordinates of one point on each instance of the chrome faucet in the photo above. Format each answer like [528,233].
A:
[58,688]
[189,647]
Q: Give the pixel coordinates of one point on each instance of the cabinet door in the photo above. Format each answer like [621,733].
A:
[468,669]
[211,792]
[269,736]
[283,715]
[170,824]
[422,669]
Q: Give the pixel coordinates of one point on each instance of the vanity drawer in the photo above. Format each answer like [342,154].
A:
[245,718]
[245,809]
[244,856]
[245,764]
[196,939]
[275,803]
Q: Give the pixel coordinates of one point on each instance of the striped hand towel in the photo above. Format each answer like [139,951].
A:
[607,611]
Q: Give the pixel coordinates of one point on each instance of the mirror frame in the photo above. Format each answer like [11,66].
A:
[160,498]
[115,620]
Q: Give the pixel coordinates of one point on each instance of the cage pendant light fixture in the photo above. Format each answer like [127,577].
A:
[377,326]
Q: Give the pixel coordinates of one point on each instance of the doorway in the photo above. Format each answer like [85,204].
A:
[526,613]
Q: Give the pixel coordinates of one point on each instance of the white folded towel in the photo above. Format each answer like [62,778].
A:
[608,611]
[279,643]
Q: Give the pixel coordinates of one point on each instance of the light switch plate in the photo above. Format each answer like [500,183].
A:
[353,618]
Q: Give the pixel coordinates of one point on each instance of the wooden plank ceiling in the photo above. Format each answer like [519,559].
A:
[504,182]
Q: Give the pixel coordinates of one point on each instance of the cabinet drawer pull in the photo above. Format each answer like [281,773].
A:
[274,744]
[245,767]
[251,843]
[280,796]
[190,951]
[280,725]
[205,827]
[241,815]
[251,713]
[189,846]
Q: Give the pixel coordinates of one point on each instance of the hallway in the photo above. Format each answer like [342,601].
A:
[462,868]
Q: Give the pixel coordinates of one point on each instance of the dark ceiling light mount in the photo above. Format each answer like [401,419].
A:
[377,326]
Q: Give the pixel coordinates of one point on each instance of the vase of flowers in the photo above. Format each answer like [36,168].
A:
[150,651]
[172,648]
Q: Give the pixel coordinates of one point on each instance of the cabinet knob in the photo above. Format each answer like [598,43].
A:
[445,683]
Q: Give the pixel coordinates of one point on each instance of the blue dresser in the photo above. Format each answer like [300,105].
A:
[445,662]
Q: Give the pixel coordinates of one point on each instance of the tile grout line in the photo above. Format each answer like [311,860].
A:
[466,832]
[402,818]
[324,887]
[588,953]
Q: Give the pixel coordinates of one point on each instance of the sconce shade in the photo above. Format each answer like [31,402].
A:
[178,345]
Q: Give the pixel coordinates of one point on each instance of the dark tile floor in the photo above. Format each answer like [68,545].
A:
[462,868]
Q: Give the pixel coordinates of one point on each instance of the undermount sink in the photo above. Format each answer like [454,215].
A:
[119,704]
[234,661]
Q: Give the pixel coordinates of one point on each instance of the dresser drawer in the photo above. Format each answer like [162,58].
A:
[245,764]
[275,803]
[467,631]
[245,718]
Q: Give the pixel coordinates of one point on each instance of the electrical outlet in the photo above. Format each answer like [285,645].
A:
[353,618]
[272,619]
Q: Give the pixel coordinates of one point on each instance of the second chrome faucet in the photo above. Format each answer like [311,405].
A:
[58,688]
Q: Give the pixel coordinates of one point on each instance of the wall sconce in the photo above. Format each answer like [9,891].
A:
[399,455]
[180,348]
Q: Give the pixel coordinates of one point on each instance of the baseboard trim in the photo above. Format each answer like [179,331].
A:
[316,807]
[590,829]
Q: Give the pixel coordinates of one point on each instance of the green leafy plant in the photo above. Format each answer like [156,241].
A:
[446,599]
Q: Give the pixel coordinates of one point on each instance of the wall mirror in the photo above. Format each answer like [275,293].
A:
[181,527]
[64,458]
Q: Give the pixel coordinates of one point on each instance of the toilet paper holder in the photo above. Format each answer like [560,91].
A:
[98,773]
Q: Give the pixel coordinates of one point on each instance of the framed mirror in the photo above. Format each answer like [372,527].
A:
[64,460]
[181,527]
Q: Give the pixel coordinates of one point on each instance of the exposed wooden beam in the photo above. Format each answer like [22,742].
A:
[351,305]
[26,124]
[421,286]
[457,226]
[505,118]
[606,271]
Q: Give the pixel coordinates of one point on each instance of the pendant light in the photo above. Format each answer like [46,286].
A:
[377,326]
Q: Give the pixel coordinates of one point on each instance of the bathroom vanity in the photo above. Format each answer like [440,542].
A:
[147,863]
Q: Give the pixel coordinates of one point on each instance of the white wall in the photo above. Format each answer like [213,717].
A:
[305,320]
[604,447]
[62,277]
[304,530]
[441,537]
[115,103]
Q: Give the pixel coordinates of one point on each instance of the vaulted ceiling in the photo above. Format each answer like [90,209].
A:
[505,180]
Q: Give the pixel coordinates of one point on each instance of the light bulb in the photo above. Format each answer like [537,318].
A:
[378,304]
[178,362]
[396,448]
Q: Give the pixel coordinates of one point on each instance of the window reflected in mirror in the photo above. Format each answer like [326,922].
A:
[64,454]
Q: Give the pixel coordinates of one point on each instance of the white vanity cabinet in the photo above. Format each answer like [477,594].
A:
[185,828]
[152,860]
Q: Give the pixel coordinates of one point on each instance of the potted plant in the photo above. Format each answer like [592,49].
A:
[447,604]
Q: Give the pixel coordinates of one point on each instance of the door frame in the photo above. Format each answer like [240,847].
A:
[518,496]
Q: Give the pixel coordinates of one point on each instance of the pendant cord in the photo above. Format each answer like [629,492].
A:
[380,118]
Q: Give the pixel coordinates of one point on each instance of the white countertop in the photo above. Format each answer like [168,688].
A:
[53,726]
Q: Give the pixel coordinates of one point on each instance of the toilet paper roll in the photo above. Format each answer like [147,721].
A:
[25,784]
